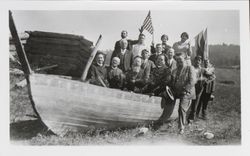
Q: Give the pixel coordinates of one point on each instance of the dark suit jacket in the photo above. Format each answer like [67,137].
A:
[130,44]
[154,57]
[126,60]
[167,47]
[97,71]
[115,77]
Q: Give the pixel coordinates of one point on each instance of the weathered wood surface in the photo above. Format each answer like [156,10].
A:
[20,51]
[41,34]
[90,60]
[69,52]
[67,105]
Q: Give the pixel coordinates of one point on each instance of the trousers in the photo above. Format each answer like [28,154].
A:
[195,104]
[203,103]
[182,111]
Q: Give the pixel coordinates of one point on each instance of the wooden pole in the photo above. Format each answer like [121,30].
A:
[91,58]
[20,51]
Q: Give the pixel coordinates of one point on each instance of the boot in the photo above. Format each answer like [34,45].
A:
[204,115]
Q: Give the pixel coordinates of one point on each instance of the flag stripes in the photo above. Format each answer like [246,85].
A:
[147,24]
[201,45]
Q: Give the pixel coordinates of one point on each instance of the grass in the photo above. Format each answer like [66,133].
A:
[224,122]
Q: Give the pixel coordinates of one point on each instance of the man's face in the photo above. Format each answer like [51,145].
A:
[158,48]
[170,54]
[160,60]
[115,62]
[164,39]
[137,62]
[124,34]
[197,62]
[145,54]
[100,59]
[183,38]
[124,45]
[206,63]
[141,38]
[180,61]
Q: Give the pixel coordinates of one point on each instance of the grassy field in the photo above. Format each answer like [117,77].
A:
[224,122]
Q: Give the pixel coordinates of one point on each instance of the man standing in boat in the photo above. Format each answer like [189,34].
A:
[124,35]
[125,56]
[139,46]
[98,71]
[183,81]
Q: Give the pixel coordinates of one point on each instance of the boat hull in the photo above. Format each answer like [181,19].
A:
[67,105]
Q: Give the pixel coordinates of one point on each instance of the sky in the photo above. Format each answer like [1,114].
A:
[223,25]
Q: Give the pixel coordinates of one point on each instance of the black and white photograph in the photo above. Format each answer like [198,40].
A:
[127,73]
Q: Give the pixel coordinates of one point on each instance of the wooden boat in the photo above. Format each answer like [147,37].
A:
[70,105]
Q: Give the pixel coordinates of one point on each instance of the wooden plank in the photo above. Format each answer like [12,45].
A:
[56,52]
[43,45]
[20,51]
[60,41]
[56,59]
[59,35]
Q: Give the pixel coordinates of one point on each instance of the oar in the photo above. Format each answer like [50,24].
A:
[91,58]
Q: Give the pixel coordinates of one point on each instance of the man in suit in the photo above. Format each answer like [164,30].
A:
[158,52]
[182,83]
[171,63]
[125,56]
[115,75]
[98,72]
[147,65]
[124,35]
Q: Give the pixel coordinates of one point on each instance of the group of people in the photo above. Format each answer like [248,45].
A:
[133,67]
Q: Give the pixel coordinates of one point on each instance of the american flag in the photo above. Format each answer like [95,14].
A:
[147,24]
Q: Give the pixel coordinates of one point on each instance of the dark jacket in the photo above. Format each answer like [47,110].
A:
[167,47]
[97,74]
[126,60]
[115,77]
[130,44]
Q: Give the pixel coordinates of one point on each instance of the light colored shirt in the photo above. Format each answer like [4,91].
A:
[137,49]
[180,47]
